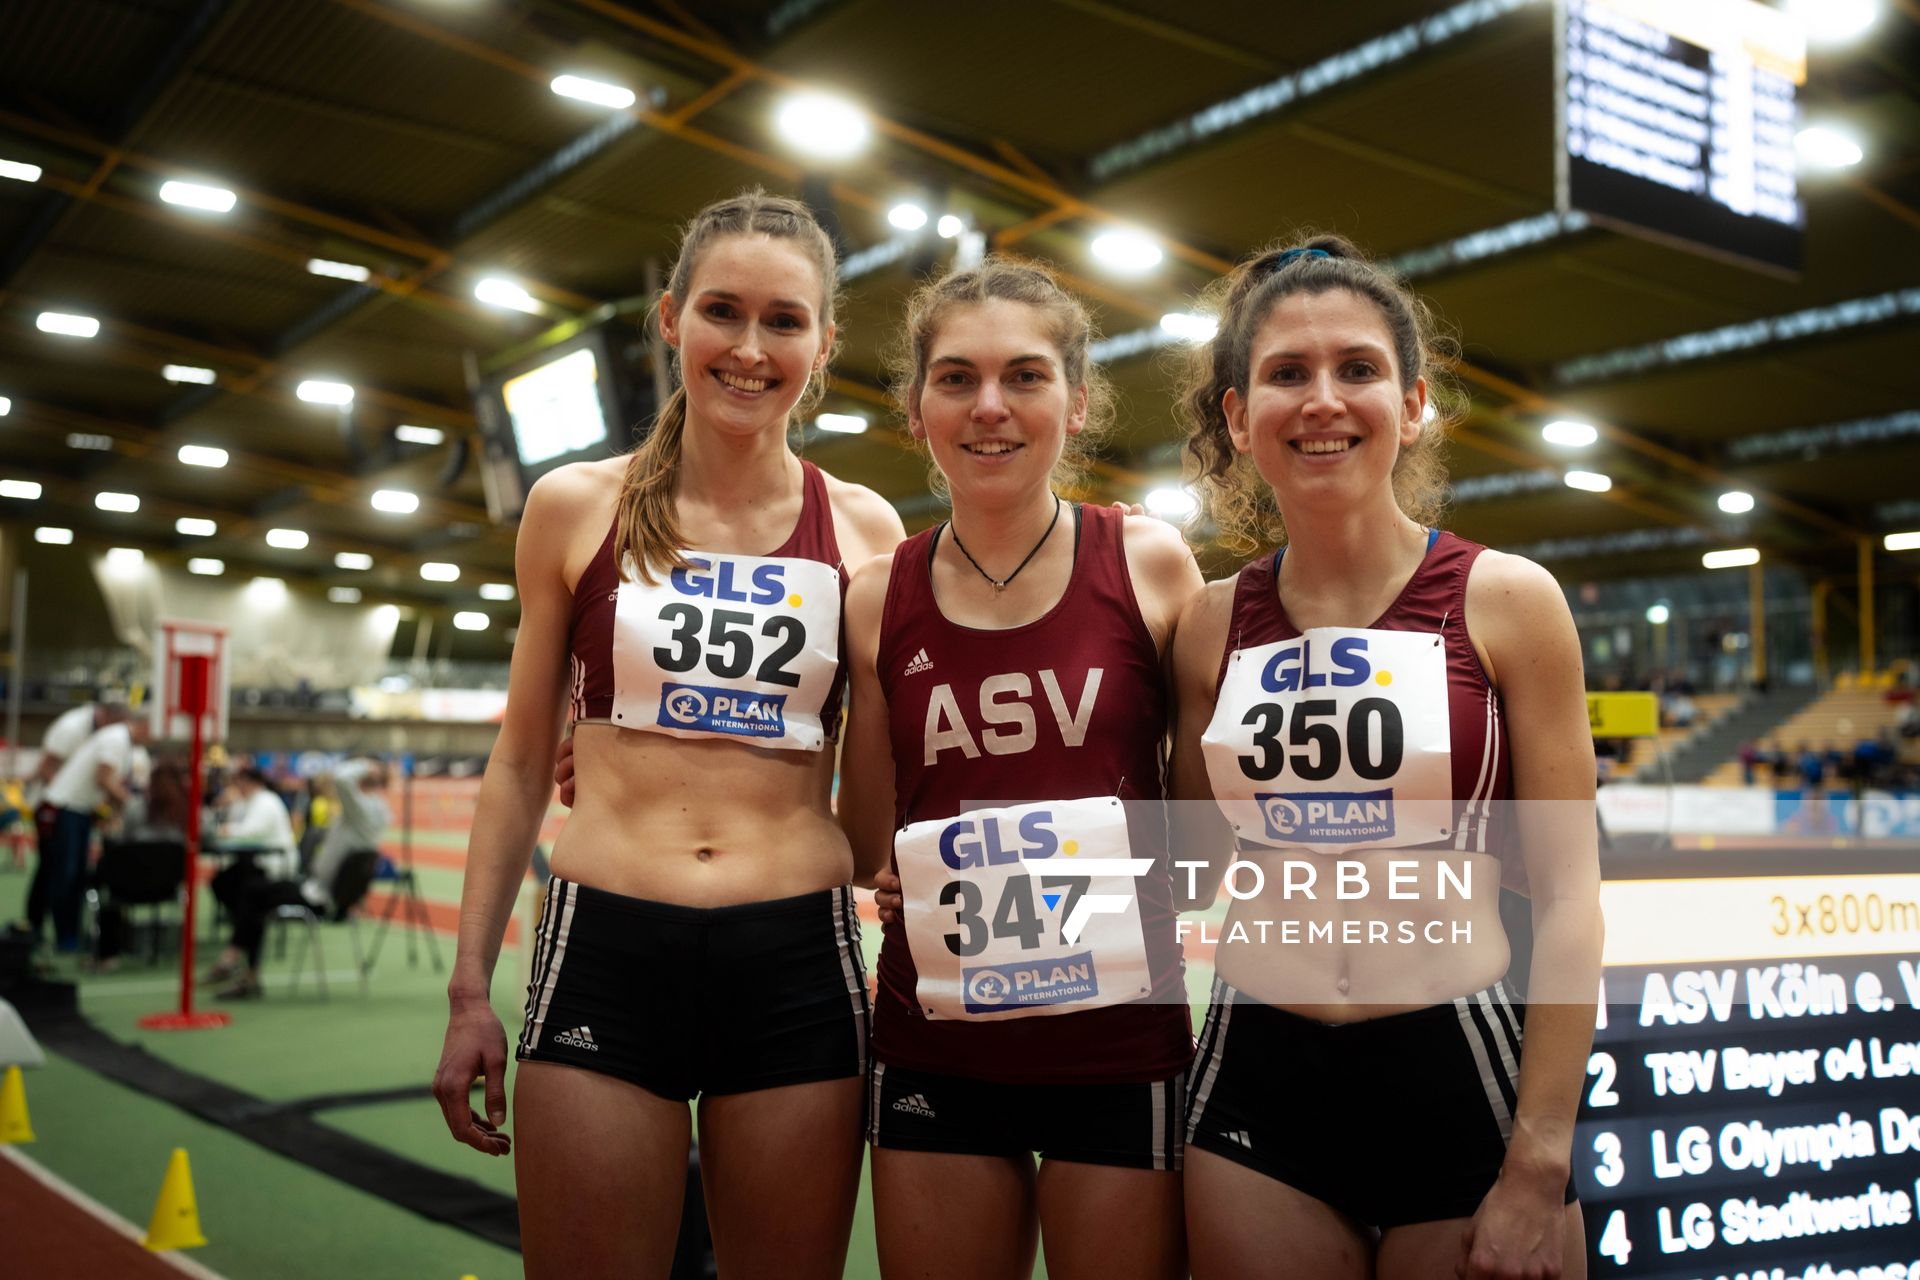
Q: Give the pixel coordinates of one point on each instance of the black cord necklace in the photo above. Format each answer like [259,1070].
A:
[1000,584]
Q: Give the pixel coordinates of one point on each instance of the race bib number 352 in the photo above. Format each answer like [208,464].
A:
[1022,911]
[1336,740]
[741,647]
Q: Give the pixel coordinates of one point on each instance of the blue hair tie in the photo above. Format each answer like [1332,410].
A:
[1294,255]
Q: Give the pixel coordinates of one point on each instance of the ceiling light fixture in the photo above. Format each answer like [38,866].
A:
[821,124]
[19,171]
[24,490]
[344,595]
[496,591]
[339,270]
[352,560]
[197,195]
[195,527]
[1909,541]
[1736,502]
[398,502]
[324,391]
[1732,558]
[189,373]
[287,539]
[1175,503]
[851,424]
[203,455]
[1190,326]
[206,566]
[1590,481]
[907,216]
[1126,252]
[1569,434]
[84,440]
[440,571]
[1657,614]
[53,535]
[471,620]
[125,559]
[1821,146]
[598,92]
[496,291]
[122,502]
[407,433]
[67,324]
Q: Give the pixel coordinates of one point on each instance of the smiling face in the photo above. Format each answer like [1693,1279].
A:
[749,332]
[1325,416]
[994,404]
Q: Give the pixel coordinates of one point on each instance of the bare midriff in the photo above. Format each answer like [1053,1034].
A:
[1338,959]
[699,823]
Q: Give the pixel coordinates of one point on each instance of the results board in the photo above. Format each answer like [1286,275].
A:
[1677,118]
[1752,1104]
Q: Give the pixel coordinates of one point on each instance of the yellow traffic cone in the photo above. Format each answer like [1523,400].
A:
[14,1125]
[176,1218]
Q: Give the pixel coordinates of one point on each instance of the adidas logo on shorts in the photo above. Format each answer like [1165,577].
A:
[915,1104]
[579,1038]
[1242,1137]
[921,662]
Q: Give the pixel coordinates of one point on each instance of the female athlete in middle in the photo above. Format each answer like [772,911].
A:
[1007,702]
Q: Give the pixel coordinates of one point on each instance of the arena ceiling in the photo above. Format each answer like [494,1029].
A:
[420,139]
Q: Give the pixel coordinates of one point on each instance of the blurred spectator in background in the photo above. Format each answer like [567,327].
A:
[359,788]
[66,735]
[256,830]
[95,775]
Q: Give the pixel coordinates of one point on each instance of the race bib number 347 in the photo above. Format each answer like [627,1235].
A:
[1335,740]
[1026,910]
[741,647]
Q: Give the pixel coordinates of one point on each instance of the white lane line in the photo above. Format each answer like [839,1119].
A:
[60,1186]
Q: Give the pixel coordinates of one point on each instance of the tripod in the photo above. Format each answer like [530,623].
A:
[405,895]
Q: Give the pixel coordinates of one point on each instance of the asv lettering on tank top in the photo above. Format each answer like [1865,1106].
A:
[1005,713]
[1334,741]
[1022,911]
[737,647]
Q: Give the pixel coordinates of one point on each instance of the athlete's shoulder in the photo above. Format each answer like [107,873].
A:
[1154,546]
[867,588]
[563,489]
[1501,579]
[865,512]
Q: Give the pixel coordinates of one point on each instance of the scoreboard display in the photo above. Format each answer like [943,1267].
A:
[1752,1104]
[1676,119]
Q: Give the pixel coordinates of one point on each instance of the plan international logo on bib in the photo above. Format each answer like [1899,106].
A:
[1008,986]
[1340,817]
[736,711]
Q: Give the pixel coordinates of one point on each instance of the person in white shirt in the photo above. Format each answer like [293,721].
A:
[256,825]
[66,735]
[92,777]
[360,789]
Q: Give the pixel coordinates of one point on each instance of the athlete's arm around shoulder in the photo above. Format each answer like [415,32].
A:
[866,750]
[1198,832]
[866,522]
[518,784]
[1164,573]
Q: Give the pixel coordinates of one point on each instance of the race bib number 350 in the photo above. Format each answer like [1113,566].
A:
[1336,740]
[741,647]
[1027,910]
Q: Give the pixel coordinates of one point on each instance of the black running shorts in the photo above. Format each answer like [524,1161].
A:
[1133,1126]
[689,1000]
[1392,1121]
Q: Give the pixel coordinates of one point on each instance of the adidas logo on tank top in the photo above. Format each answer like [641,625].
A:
[921,662]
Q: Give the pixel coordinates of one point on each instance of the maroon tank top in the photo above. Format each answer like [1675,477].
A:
[596,598]
[1091,681]
[1434,601]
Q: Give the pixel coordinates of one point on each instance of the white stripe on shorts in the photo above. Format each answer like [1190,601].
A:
[873,1102]
[1212,1048]
[556,955]
[1491,1053]
[536,970]
[845,939]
